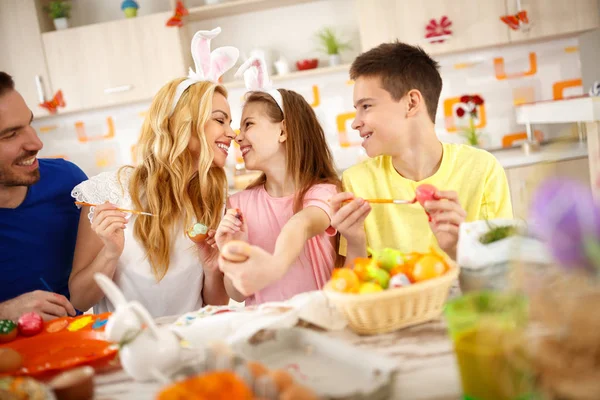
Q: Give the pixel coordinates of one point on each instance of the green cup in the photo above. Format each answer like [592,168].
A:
[487,331]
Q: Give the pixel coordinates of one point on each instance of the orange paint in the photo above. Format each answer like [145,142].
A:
[559,87]
[83,137]
[500,70]
[572,49]
[449,114]
[341,128]
[510,139]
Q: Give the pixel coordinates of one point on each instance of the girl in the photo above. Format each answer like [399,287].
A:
[284,215]
[180,180]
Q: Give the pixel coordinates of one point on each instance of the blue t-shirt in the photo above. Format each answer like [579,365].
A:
[37,239]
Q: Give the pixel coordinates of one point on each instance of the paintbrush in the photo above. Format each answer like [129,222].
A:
[81,203]
[386,201]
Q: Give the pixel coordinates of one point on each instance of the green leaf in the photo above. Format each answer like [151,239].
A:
[591,246]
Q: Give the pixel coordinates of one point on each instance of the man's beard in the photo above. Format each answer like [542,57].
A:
[10,179]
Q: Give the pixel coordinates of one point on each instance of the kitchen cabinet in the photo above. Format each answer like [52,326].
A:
[523,181]
[23,53]
[475,24]
[115,62]
[555,18]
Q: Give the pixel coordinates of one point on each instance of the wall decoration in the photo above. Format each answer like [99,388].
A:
[47,128]
[105,158]
[517,22]
[316,96]
[501,74]
[438,32]
[572,49]
[512,138]
[83,137]
[558,88]
[53,104]
[177,18]
[523,95]
[341,121]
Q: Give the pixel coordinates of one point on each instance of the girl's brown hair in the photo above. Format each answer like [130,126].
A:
[308,157]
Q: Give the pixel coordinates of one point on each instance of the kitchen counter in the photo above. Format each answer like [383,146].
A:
[550,152]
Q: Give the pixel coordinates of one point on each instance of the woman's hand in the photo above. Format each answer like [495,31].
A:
[108,223]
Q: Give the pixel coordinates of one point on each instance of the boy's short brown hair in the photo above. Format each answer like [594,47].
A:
[401,68]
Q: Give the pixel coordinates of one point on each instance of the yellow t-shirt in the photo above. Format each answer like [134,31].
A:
[474,174]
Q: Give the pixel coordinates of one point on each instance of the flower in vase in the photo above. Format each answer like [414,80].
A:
[470,104]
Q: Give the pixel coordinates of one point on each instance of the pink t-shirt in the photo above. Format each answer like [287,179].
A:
[265,217]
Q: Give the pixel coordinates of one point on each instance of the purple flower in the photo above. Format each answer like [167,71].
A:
[564,215]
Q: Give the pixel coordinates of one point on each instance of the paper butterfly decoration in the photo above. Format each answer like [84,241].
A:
[209,66]
[176,19]
[256,78]
[52,105]
[516,21]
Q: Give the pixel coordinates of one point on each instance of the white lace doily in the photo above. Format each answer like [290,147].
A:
[105,187]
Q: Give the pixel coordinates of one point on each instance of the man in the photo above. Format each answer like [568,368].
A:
[38,219]
[396,94]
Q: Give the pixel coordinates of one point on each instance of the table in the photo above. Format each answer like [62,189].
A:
[427,367]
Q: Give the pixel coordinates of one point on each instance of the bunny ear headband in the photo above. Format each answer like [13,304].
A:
[209,66]
[256,78]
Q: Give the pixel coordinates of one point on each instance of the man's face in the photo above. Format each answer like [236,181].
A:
[19,143]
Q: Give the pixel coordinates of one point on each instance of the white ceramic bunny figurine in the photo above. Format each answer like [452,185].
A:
[147,352]
[123,320]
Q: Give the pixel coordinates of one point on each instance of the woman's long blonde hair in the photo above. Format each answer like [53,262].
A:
[166,183]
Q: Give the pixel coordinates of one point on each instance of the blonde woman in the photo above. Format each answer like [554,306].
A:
[180,180]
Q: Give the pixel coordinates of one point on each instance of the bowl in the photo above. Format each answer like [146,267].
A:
[305,64]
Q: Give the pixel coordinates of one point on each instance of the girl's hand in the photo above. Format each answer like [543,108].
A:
[232,227]
[250,268]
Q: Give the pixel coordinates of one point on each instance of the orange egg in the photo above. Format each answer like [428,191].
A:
[344,280]
[256,368]
[282,379]
[297,392]
[428,267]
[360,268]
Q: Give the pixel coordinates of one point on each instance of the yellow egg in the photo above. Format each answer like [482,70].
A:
[369,287]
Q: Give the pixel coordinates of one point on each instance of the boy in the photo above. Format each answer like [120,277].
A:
[396,93]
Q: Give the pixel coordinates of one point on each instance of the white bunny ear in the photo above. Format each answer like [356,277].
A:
[112,291]
[201,52]
[255,74]
[221,60]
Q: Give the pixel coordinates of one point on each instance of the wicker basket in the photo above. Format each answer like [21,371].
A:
[390,310]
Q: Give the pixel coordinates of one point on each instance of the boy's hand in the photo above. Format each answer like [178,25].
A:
[446,216]
[349,218]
